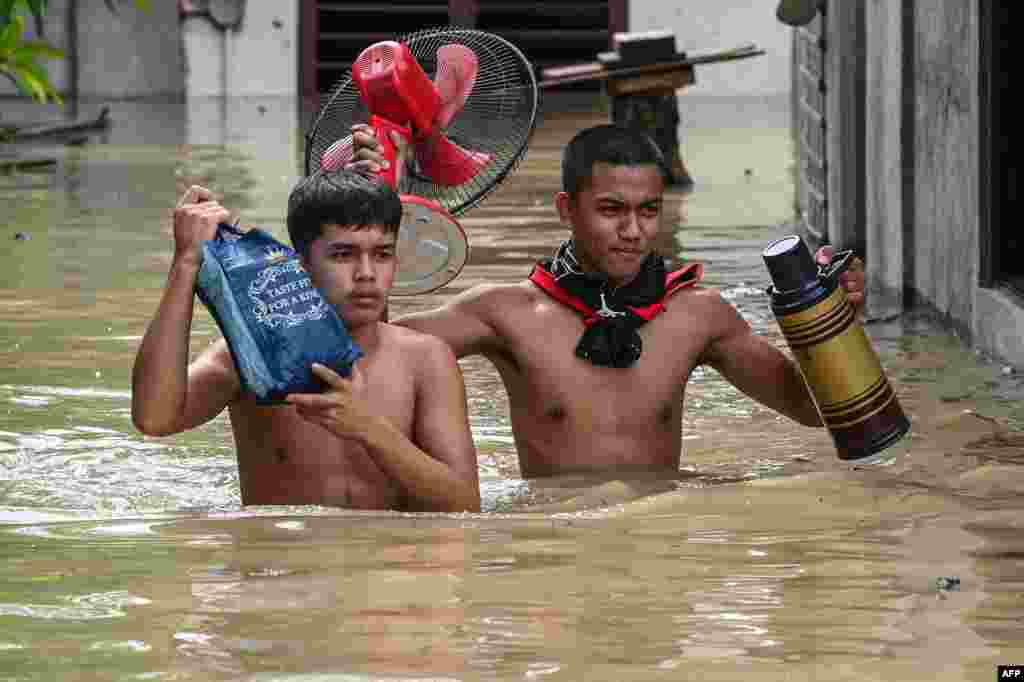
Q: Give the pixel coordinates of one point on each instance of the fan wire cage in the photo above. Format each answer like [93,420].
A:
[497,119]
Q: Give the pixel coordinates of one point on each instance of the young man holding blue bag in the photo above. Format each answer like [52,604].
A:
[393,435]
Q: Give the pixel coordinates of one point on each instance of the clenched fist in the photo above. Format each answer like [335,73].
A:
[195,221]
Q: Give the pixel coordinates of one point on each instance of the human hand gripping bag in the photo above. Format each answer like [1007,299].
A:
[274,320]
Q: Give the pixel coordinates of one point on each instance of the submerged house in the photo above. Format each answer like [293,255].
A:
[904,155]
[242,47]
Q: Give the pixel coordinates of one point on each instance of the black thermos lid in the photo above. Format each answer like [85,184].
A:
[790,264]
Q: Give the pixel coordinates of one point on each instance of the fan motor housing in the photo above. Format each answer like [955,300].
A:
[395,86]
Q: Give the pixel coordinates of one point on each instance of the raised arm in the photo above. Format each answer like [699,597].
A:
[168,395]
[465,322]
[753,365]
[439,470]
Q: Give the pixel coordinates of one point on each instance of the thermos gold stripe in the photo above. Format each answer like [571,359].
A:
[845,377]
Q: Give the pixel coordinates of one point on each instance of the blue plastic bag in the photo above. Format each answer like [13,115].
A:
[274,320]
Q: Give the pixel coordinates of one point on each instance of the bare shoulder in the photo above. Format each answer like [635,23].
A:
[719,322]
[419,348]
[705,312]
[490,298]
[706,302]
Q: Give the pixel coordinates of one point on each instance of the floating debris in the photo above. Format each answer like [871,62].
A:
[100,122]
[26,164]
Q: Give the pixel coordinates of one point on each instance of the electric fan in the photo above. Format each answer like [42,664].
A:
[466,101]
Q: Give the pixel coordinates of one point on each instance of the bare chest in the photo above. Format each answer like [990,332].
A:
[546,377]
[284,459]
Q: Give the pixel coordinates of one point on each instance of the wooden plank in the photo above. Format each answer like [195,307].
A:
[651,82]
[815,175]
[816,216]
[811,92]
[811,55]
[100,122]
[814,27]
[844,73]
[811,129]
[589,71]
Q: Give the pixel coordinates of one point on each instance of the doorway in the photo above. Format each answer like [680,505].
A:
[1002,240]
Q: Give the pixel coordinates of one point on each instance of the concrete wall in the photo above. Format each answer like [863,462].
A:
[844,122]
[259,58]
[998,325]
[130,53]
[829,125]
[887,195]
[944,247]
[922,213]
[708,25]
[140,54]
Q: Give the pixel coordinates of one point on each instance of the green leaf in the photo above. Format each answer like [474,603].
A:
[31,86]
[6,12]
[11,35]
[38,48]
[9,9]
[38,8]
[31,79]
[39,83]
[35,71]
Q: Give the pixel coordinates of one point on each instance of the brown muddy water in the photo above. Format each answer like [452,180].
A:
[130,558]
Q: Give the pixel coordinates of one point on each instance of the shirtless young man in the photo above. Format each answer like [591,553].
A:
[607,396]
[395,435]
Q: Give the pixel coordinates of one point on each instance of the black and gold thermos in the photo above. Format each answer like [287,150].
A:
[838,362]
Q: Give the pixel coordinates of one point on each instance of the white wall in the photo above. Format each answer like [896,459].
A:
[135,53]
[261,55]
[708,25]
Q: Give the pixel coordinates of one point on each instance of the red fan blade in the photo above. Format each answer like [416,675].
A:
[440,159]
[446,163]
[457,67]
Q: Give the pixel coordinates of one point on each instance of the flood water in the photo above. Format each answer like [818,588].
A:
[130,558]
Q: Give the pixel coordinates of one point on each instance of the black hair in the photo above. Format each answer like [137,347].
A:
[613,144]
[342,197]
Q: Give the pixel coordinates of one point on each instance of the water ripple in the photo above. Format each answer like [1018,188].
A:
[96,606]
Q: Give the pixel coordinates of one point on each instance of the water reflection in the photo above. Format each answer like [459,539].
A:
[388,596]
